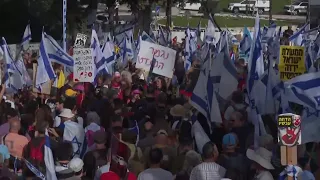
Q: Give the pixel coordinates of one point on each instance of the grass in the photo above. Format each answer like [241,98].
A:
[277,5]
[222,22]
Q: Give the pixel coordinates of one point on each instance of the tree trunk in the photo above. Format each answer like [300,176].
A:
[145,19]
[168,13]
[111,12]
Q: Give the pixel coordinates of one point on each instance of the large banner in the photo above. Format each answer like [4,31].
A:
[292,62]
[163,57]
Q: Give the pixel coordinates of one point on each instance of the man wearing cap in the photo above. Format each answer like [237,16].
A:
[230,159]
[68,85]
[76,164]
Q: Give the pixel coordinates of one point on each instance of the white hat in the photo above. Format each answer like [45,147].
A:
[66,113]
[76,164]
[261,156]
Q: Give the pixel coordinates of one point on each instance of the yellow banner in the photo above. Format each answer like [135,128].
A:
[291,62]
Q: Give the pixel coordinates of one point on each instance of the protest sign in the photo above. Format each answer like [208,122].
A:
[80,41]
[83,69]
[289,136]
[164,59]
[291,62]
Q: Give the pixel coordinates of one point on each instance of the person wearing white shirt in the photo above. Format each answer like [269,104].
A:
[209,169]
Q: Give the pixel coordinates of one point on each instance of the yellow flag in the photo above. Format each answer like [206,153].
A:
[61,80]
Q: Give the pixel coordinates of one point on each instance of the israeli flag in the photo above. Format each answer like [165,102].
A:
[270,32]
[56,53]
[163,37]
[45,71]
[310,127]
[99,59]
[26,37]
[256,69]
[188,50]
[127,50]
[246,41]
[210,32]
[48,159]
[228,75]
[146,37]
[297,37]
[200,136]
[109,54]
[12,76]
[74,133]
[24,73]
[204,97]
[306,89]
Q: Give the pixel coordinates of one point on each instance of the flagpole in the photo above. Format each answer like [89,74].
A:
[64,25]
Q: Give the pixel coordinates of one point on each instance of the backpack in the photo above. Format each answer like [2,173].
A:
[36,153]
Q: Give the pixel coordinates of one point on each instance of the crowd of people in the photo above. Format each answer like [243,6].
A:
[134,129]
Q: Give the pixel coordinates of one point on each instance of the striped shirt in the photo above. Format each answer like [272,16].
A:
[208,171]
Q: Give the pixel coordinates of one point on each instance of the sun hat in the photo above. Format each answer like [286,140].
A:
[261,156]
[178,111]
[76,164]
[66,113]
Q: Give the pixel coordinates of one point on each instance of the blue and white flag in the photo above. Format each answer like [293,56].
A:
[210,32]
[109,54]
[26,37]
[228,75]
[56,53]
[26,80]
[45,71]
[297,37]
[256,70]
[163,37]
[270,32]
[204,97]
[246,41]
[48,159]
[127,52]
[12,76]
[99,59]
[188,50]
[200,136]
[306,89]
[146,37]
[34,170]
[74,133]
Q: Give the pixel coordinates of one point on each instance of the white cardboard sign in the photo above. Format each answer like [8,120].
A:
[84,67]
[164,58]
